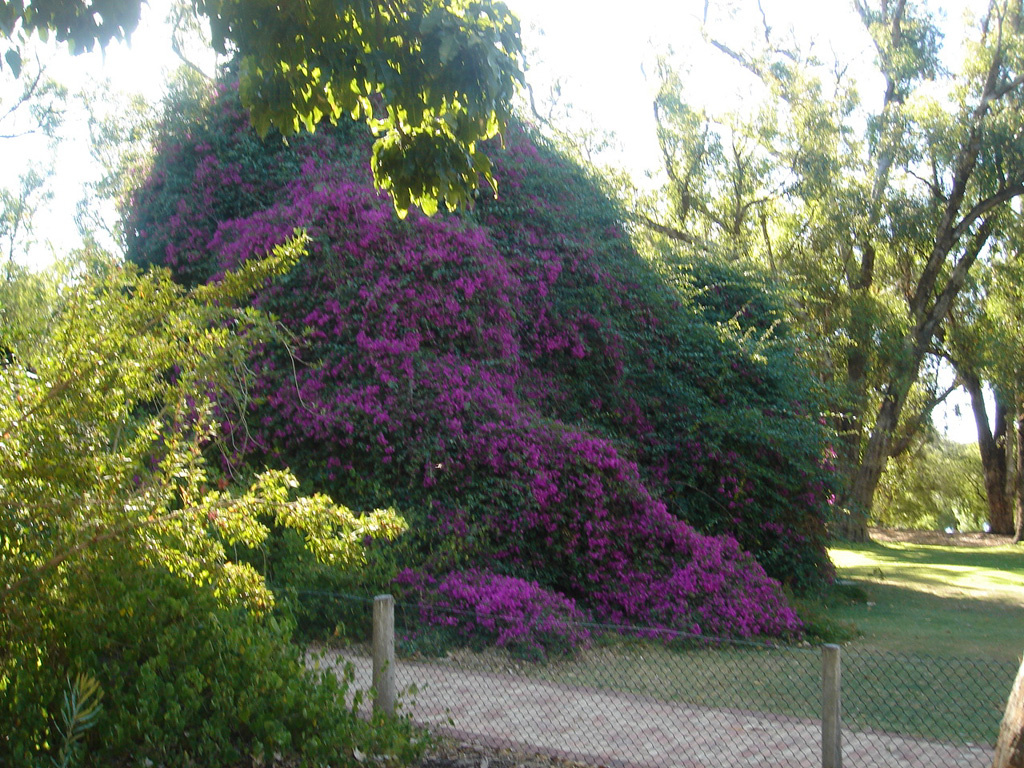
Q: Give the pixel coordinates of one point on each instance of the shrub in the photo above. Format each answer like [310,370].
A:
[523,385]
[115,533]
[188,681]
[481,609]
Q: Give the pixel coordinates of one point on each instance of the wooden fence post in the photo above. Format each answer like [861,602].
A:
[831,707]
[384,653]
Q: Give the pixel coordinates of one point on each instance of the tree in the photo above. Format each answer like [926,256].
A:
[110,507]
[876,230]
[973,343]
[432,78]
[121,131]
[35,109]
[996,341]
[992,447]
[18,209]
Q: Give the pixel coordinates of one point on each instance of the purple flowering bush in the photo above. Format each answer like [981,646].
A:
[534,397]
[480,609]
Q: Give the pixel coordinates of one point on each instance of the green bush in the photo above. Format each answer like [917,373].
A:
[324,601]
[188,681]
[120,539]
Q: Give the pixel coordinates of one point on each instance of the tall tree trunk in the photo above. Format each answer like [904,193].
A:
[1018,495]
[853,526]
[991,445]
[1010,745]
[877,451]
[851,423]
[872,464]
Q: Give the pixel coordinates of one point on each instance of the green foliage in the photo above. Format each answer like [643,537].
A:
[75,22]
[519,363]
[190,681]
[79,713]
[249,174]
[433,78]
[25,298]
[115,529]
[987,331]
[105,419]
[936,486]
[871,233]
[325,602]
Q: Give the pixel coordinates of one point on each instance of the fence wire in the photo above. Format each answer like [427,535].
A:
[686,701]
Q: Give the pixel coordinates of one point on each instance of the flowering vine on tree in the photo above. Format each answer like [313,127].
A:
[524,386]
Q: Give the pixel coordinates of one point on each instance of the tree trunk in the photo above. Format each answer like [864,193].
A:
[876,453]
[851,423]
[1018,495]
[991,446]
[1010,745]
[853,526]
[872,464]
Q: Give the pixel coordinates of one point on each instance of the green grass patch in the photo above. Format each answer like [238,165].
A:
[786,681]
[935,600]
[959,700]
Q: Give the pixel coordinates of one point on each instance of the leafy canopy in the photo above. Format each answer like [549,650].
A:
[875,214]
[432,78]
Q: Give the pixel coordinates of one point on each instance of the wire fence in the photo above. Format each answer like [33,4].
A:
[624,700]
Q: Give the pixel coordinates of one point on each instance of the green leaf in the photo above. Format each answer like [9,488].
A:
[448,48]
[13,58]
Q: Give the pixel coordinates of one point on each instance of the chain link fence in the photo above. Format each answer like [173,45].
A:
[690,701]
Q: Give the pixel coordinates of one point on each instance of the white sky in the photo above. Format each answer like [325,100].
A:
[603,54]
[607,58]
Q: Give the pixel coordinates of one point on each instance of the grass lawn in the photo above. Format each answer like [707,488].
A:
[936,600]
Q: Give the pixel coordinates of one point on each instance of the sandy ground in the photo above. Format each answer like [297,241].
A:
[507,721]
[958,539]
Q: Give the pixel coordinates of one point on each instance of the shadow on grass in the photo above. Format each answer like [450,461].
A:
[994,575]
[924,614]
[1006,558]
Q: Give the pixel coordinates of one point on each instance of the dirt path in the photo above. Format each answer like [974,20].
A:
[940,538]
[615,729]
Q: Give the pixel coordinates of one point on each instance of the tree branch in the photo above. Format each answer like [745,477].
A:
[663,229]
[739,58]
[903,444]
[985,206]
[930,321]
